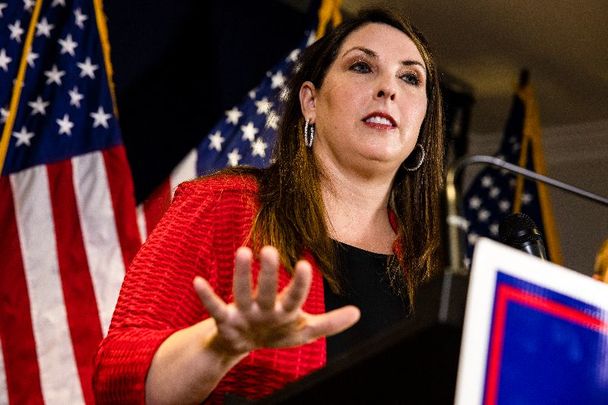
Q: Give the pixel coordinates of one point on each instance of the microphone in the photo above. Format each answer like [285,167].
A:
[520,232]
[457,224]
[455,277]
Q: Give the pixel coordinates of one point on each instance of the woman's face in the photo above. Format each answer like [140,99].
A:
[371,105]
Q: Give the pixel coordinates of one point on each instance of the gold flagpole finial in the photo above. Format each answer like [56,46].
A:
[328,12]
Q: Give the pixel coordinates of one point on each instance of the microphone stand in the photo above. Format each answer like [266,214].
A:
[456,271]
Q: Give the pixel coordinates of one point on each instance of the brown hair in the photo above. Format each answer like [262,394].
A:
[291,215]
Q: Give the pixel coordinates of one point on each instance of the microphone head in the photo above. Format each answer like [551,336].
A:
[519,231]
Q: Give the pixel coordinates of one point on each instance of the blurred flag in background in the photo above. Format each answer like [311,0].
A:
[495,193]
[67,210]
[245,135]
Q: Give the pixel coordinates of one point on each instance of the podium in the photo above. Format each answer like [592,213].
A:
[534,332]
[415,361]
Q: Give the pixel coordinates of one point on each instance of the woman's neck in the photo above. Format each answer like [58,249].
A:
[356,210]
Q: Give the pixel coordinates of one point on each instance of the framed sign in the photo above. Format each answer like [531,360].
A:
[534,332]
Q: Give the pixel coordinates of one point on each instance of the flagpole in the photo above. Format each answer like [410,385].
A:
[457,223]
[18,86]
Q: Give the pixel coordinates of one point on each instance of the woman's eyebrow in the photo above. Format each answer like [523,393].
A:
[366,51]
[413,62]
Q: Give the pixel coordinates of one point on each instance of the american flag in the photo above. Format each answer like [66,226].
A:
[67,208]
[245,135]
[495,193]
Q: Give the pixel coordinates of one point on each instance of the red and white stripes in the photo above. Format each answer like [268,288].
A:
[66,239]
[151,210]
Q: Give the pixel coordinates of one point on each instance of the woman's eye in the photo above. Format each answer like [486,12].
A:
[360,67]
[411,78]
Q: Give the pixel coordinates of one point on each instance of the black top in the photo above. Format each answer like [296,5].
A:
[366,286]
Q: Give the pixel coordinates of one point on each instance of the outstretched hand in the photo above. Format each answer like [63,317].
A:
[262,317]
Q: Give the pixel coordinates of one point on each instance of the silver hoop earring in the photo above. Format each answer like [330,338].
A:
[420,160]
[309,133]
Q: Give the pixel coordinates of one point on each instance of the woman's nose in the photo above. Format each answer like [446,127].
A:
[386,89]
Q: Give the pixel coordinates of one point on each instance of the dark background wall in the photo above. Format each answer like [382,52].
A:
[178,65]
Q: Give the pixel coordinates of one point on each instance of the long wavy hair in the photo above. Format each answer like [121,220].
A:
[292,212]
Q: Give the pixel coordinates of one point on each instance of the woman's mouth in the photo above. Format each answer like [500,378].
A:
[380,120]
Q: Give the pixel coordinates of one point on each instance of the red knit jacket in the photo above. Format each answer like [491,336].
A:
[207,221]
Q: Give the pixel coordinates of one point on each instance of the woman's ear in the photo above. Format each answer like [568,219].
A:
[308,94]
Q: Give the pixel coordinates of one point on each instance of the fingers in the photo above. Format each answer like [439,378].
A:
[267,279]
[316,326]
[274,325]
[242,279]
[215,305]
[333,322]
[294,295]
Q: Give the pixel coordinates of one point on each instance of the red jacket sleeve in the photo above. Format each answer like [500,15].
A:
[157,297]
[207,221]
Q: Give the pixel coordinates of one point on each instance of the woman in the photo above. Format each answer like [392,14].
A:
[347,214]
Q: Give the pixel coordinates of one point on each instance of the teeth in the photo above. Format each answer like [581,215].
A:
[379,120]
